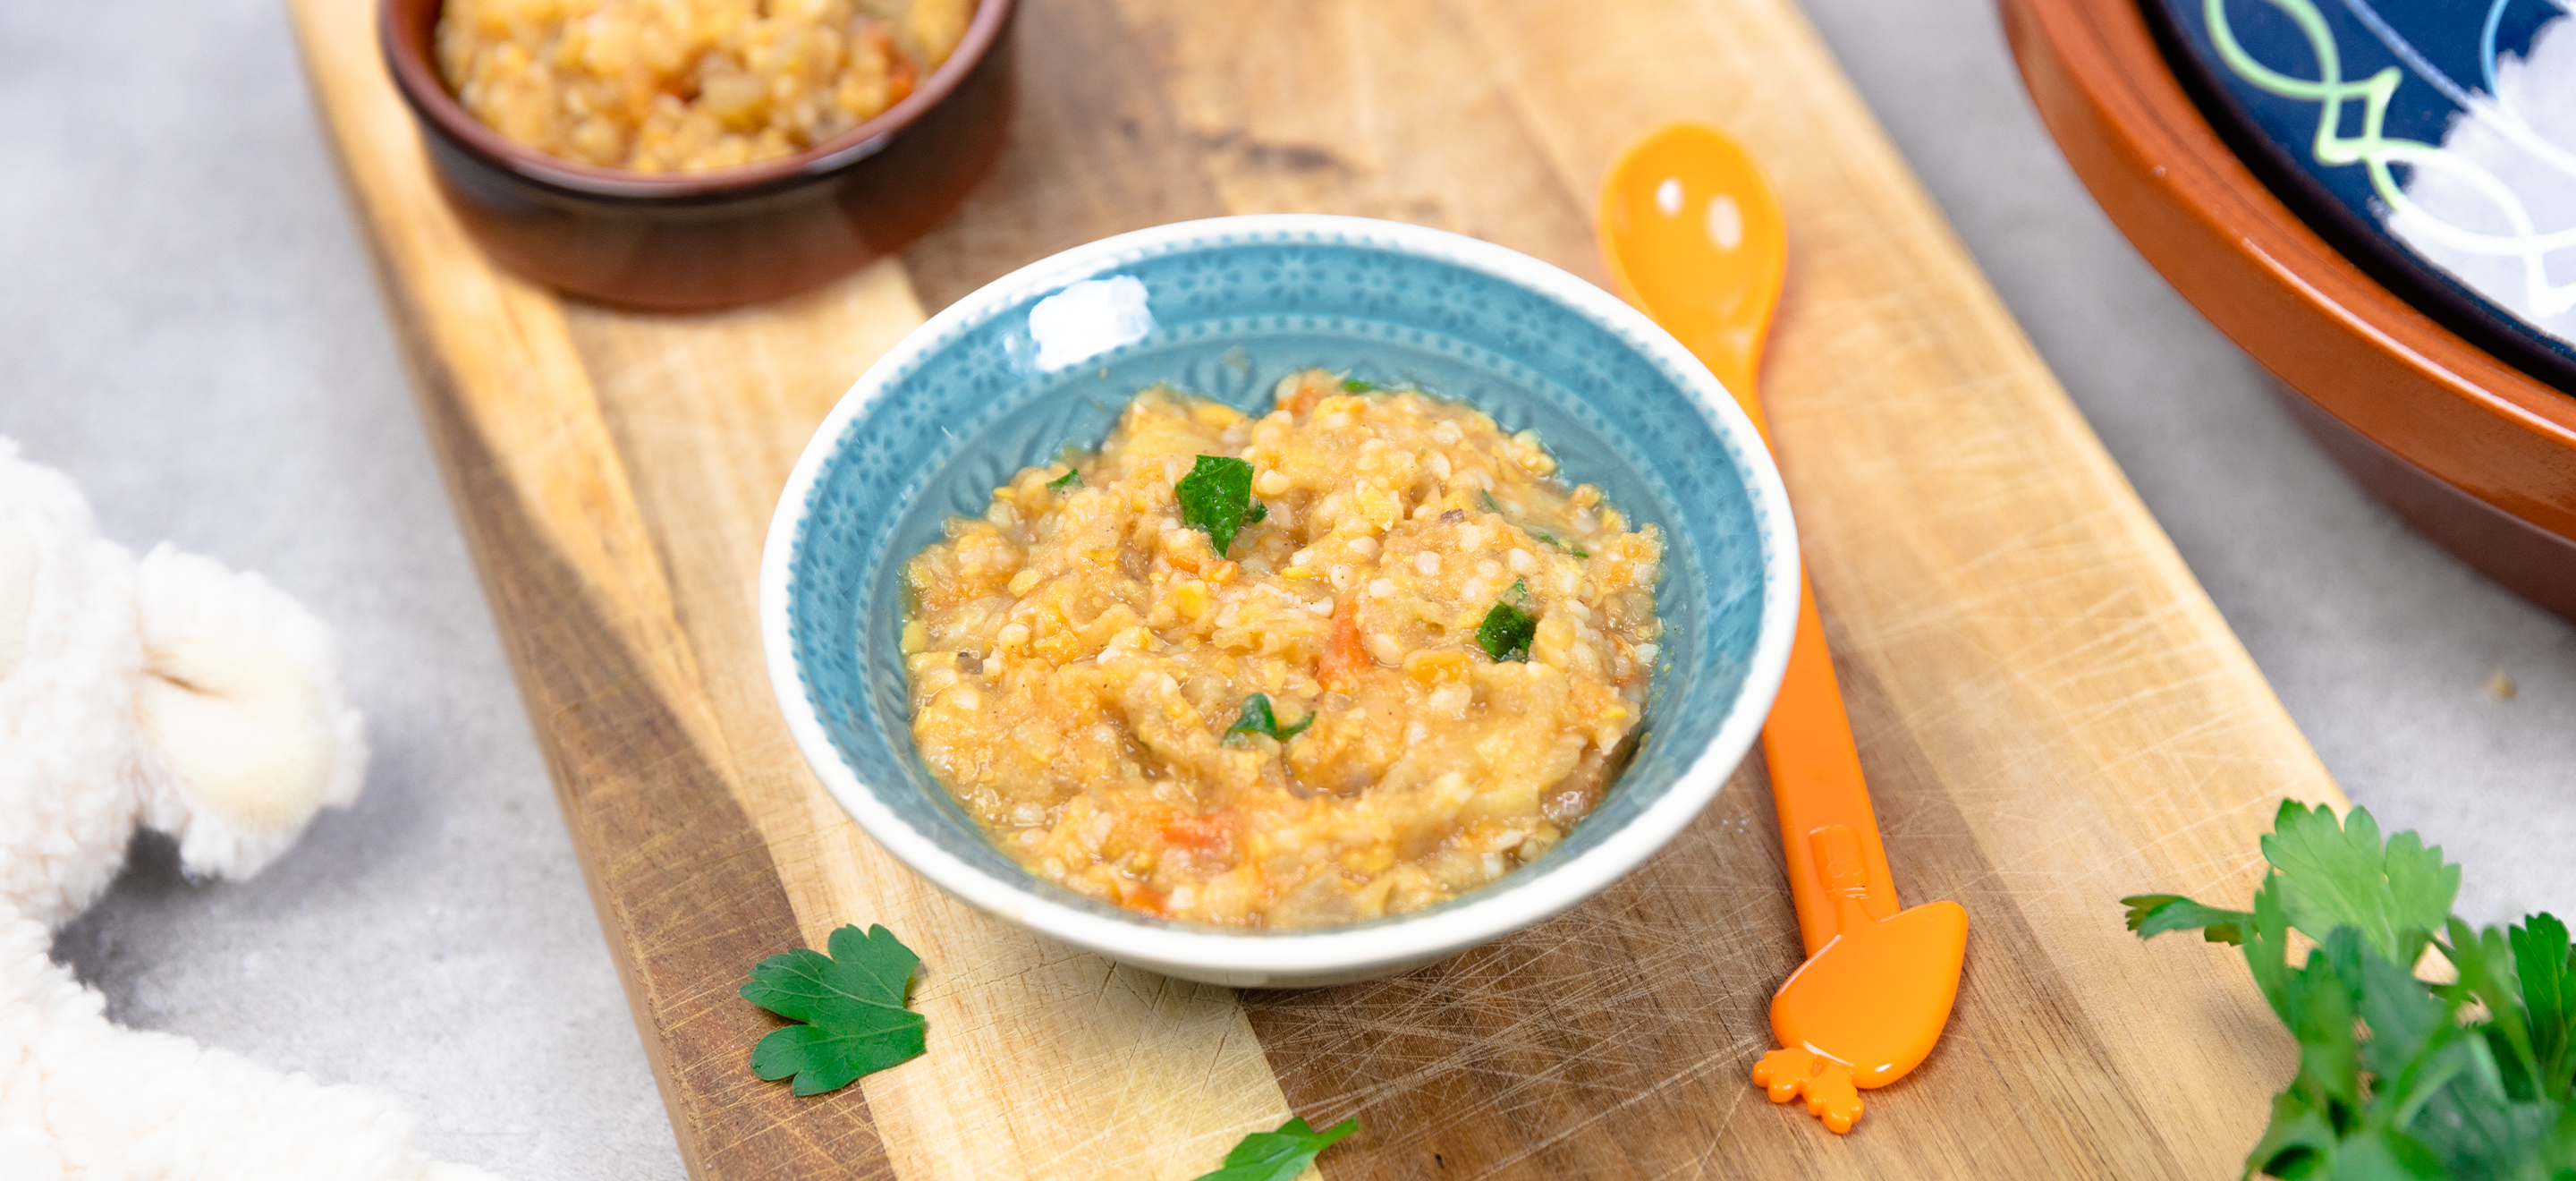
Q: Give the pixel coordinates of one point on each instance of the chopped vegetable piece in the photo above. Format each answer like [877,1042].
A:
[851,1004]
[1204,833]
[1344,652]
[2466,1076]
[1357,386]
[1280,1155]
[1257,719]
[1505,633]
[1216,499]
[1070,477]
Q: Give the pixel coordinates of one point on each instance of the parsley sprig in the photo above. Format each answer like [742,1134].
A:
[1258,719]
[1505,634]
[1216,499]
[2466,1076]
[850,1005]
[1280,1155]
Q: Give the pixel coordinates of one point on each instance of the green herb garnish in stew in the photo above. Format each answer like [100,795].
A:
[1216,499]
[1257,719]
[1561,545]
[1070,478]
[1506,631]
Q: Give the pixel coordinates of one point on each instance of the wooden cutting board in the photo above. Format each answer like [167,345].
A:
[2051,712]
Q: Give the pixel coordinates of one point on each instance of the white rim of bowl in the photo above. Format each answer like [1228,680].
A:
[1483,916]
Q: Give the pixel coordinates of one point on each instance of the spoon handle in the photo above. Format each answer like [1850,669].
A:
[1816,781]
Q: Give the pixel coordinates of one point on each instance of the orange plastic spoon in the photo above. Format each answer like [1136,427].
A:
[1693,237]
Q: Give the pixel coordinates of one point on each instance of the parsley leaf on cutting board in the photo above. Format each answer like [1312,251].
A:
[2464,1071]
[1280,1155]
[851,1004]
[2151,915]
[2333,876]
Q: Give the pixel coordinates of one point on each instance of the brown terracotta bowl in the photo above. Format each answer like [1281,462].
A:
[2476,453]
[690,240]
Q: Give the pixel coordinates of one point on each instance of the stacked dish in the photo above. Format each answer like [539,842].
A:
[716,231]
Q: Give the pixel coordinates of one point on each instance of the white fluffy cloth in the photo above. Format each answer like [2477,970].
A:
[174,694]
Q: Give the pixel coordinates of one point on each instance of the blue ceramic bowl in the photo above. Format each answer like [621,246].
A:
[1049,355]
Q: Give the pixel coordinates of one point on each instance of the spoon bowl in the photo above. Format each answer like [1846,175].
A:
[1693,237]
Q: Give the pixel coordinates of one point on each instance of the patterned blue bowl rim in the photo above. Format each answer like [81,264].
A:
[1291,954]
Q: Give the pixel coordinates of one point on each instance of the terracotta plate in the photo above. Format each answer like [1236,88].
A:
[2478,453]
[2267,77]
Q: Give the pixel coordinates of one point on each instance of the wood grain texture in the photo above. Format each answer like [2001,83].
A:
[1157,1075]
[2051,712]
[615,473]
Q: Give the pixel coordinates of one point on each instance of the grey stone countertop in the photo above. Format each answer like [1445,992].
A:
[191,331]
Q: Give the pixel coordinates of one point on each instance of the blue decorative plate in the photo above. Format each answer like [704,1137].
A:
[2405,133]
[1048,356]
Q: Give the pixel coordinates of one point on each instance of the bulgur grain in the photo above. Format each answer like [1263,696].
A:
[1104,753]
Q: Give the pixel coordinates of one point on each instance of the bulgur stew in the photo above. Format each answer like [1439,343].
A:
[1353,657]
[682,85]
